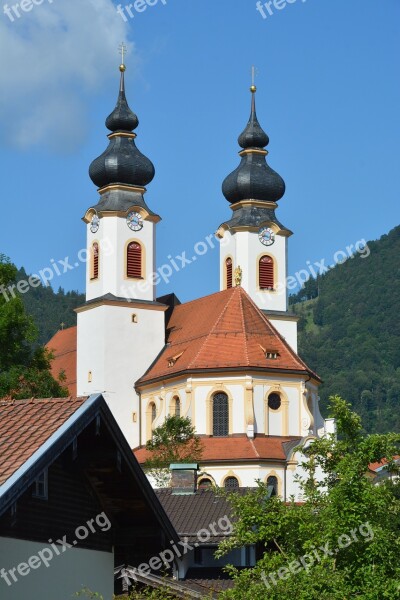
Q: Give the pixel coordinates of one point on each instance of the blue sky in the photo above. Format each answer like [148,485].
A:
[328,96]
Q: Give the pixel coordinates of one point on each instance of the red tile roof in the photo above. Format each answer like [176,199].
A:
[63,347]
[25,425]
[224,330]
[382,463]
[237,448]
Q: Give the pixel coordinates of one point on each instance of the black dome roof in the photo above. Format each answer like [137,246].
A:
[122,162]
[253,179]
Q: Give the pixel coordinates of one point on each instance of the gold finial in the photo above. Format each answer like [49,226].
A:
[238,276]
[253,88]
[122,51]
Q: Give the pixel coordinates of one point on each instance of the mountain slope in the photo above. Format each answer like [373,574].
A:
[50,310]
[350,333]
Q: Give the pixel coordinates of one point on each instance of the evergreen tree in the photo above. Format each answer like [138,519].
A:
[24,371]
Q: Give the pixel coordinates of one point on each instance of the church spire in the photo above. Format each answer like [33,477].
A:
[122,162]
[253,136]
[253,179]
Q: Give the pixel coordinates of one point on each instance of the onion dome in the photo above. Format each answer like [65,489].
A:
[253,179]
[122,162]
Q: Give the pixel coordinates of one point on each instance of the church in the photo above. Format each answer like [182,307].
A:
[227,361]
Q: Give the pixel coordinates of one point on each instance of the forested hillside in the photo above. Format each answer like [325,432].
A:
[50,310]
[350,332]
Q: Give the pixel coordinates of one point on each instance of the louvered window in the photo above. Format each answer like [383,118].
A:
[221,415]
[134,261]
[153,412]
[266,273]
[229,273]
[95,261]
[231,483]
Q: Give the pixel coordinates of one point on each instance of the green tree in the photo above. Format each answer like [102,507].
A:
[175,441]
[343,542]
[24,371]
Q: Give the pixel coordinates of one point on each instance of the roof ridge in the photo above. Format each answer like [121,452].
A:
[254,447]
[209,334]
[277,333]
[243,326]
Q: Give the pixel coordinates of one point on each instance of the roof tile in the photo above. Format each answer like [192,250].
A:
[25,425]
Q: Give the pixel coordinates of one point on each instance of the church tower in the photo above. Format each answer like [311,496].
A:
[121,328]
[254,244]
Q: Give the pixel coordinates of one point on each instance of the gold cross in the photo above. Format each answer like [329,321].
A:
[122,51]
[253,80]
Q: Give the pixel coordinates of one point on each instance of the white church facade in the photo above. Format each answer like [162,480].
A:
[229,360]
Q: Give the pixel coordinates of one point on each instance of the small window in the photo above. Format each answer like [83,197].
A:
[272,485]
[95,258]
[205,484]
[272,355]
[266,273]
[231,483]
[134,261]
[153,412]
[229,273]
[177,407]
[40,489]
[134,319]
[173,359]
[274,401]
[220,415]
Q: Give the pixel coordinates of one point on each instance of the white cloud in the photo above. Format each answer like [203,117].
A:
[53,61]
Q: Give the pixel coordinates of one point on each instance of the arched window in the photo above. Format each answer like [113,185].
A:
[153,412]
[231,483]
[134,261]
[95,261]
[272,484]
[229,273]
[220,415]
[177,407]
[266,273]
[205,484]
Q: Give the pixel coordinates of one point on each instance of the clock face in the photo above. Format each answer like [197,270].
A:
[95,224]
[266,236]
[134,221]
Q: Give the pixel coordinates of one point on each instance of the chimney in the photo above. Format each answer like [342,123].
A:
[184,479]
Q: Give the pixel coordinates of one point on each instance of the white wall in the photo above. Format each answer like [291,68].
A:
[113,236]
[117,353]
[287,329]
[66,573]
[245,249]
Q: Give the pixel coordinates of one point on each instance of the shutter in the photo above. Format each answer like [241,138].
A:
[95,258]
[266,273]
[134,261]
[229,274]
